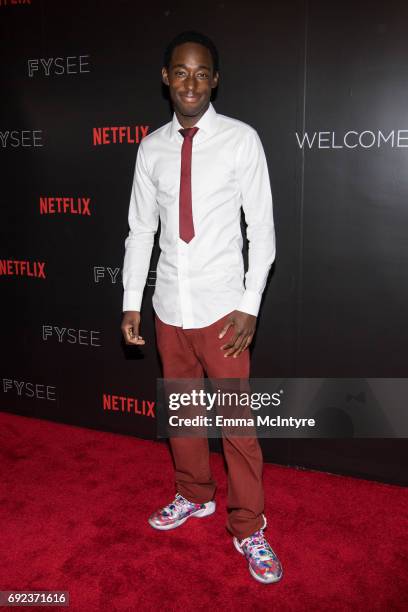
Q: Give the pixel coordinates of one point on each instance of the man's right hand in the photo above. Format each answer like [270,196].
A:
[130,327]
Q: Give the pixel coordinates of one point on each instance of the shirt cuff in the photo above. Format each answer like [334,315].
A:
[132,300]
[250,302]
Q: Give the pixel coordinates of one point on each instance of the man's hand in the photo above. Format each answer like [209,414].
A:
[130,327]
[244,325]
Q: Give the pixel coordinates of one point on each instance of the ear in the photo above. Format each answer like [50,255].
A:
[214,81]
[165,76]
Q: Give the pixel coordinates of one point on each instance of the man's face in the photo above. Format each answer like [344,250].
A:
[190,78]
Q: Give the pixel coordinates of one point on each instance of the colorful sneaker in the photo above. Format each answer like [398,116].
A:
[178,511]
[263,563]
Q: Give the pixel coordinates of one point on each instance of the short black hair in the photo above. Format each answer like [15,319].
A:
[195,37]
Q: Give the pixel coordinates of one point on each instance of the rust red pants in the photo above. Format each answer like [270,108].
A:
[188,353]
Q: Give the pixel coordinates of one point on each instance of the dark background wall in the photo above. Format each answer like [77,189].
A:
[304,74]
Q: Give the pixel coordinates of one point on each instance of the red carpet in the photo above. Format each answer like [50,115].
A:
[74,504]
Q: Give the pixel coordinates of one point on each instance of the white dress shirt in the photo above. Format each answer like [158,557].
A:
[201,281]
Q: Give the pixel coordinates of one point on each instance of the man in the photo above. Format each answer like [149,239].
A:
[194,174]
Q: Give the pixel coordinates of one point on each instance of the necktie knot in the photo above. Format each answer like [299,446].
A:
[189,132]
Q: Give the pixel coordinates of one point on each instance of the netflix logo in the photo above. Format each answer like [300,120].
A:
[12,2]
[16,267]
[129,405]
[66,206]
[119,135]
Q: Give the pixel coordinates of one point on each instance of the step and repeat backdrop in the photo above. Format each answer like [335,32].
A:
[325,86]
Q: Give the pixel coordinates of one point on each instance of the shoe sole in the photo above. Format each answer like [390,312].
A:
[207,511]
[252,572]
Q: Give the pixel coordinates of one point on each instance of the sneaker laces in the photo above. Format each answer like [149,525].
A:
[257,543]
[177,505]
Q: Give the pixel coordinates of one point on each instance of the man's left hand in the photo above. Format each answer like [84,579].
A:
[244,325]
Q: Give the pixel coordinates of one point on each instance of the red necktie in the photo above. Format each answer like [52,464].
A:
[186,226]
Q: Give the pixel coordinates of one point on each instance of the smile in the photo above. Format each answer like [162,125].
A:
[189,98]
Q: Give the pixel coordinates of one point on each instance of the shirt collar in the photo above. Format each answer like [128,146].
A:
[207,123]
